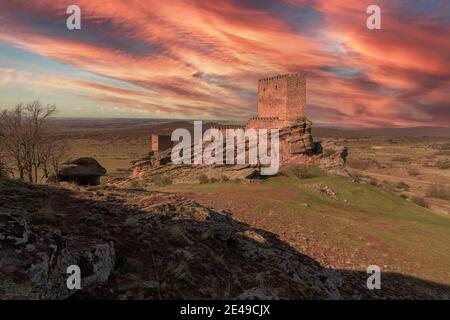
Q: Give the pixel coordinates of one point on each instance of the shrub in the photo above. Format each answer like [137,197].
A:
[373,182]
[419,201]
[442,153]
[134,183]
[364,164]
[359,164]
[213,180]
[413,172]
[203,178]
[442,148]
[356,177]
[225,178]
[403,186]
[326,154]
[390,186]
[391,141]
[303,172]
[162,181]
[401,159]
[438,191]
[443,164]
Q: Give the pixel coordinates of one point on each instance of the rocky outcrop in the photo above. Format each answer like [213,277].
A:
[297,147]
[333,156]
[296,139]
[84,171]
[154,160]
[324,189]
[34,261]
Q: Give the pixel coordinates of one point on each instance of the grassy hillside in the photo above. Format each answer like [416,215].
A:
[353,226]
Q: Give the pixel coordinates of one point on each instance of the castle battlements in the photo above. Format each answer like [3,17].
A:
[279,77]
[264,118]
[225,126]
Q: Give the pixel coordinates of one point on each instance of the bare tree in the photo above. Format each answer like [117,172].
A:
[52,154]
[22,131]
[10,125]
[3,165]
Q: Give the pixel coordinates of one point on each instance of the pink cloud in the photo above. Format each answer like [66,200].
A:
[202,58]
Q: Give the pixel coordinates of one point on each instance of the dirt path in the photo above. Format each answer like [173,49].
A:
[391,177]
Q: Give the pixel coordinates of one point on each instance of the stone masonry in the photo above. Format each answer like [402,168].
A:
[281,101]
[161,142]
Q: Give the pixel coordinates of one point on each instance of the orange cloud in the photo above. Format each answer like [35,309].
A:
[202,58]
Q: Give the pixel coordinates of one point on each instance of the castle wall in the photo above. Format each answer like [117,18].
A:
[264,123]
[296,97]
[161,142]
[272,98]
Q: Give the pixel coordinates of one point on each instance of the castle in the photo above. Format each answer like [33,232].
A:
[281,103]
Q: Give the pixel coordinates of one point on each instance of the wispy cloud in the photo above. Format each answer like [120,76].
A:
[202,58]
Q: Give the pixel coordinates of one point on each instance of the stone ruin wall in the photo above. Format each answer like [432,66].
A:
[161,142]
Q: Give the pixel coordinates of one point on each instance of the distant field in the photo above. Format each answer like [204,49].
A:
[416,163]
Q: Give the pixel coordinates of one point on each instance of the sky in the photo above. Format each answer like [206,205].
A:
[195,59]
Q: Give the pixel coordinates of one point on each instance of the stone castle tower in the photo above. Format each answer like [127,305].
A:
[281,101]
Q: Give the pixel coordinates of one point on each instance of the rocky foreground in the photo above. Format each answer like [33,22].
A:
[136,244]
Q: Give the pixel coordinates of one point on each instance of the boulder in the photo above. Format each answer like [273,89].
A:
[153,160]
[84,171]
[334,155]
[34,260]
